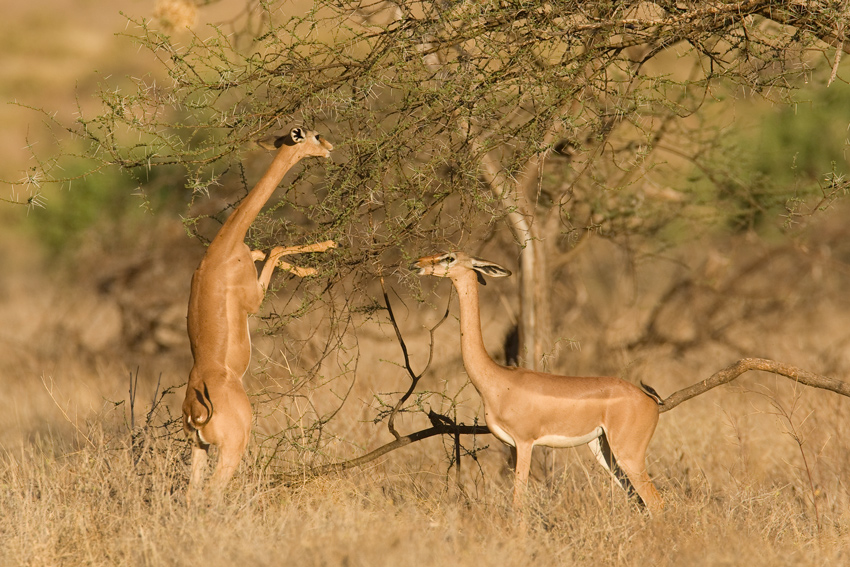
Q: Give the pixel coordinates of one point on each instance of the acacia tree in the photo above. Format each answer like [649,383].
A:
[457,120]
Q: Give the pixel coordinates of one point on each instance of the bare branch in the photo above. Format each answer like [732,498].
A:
[439,428]
[414,378]
[745,364]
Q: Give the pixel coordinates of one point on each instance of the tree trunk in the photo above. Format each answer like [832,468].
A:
[533,275]
[527,324]
[535,313]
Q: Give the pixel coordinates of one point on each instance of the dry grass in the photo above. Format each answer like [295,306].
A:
[73,505]
[752,474]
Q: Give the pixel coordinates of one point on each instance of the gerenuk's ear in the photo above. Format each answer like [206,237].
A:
[296,136]
[489,269]
[275,141]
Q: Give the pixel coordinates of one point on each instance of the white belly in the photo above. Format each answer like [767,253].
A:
[501,435]
[557,441]
[564,441]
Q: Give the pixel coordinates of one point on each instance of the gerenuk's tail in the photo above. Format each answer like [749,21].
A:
[650,391]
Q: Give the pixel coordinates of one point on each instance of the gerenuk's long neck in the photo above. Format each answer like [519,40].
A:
[475,358]
[237,225]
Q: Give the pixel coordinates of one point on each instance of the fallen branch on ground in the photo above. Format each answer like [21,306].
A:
[442,426]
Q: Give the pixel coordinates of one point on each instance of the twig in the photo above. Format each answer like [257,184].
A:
[835,64]
[134,386]
[414,378]
[154,401]
[64,413]
[839,37]
[439,420]
[799,438]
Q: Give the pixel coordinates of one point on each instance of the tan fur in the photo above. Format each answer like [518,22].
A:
[225,290]
[524,408]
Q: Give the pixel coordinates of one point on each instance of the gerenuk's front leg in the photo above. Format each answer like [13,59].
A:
[280,251]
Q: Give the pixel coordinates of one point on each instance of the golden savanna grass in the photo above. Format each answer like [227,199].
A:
[752,474]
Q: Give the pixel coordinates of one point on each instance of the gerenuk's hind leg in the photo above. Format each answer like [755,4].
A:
[231,429]
[601,449]
[639,479]
[229,457]
[629,471]
[631,459]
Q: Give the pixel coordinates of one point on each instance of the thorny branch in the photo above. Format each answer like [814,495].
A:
[50,389]
[794,430]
